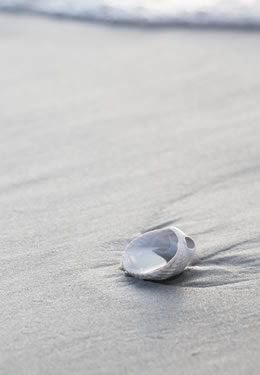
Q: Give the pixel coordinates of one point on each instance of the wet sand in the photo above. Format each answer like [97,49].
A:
[105,133]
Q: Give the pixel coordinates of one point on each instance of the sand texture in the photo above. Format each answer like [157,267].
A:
[105,133]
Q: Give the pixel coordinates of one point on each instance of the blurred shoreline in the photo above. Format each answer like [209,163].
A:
[247,25]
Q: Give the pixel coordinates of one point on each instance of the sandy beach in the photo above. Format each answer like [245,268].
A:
[107,132]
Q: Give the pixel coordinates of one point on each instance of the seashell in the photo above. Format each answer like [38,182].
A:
[159,254]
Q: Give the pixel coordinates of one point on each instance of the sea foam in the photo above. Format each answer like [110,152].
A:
[238,13]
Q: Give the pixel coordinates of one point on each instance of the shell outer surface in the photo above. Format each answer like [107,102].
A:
[158,254]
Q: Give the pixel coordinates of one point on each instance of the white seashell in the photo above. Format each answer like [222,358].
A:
[159,254]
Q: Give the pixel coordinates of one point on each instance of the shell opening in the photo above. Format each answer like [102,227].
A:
[169,245]
[190,243]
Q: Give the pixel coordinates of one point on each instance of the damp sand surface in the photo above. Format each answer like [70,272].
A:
[107,132]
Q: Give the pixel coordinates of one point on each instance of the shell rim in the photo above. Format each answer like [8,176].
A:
[173,229]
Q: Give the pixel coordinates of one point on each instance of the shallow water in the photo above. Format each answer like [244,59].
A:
[239,13]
